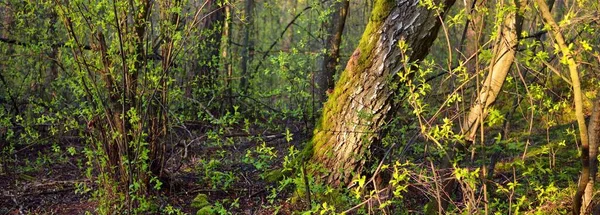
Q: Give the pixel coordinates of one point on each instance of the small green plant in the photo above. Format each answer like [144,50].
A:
[170,210]
[260,157]
[215,178]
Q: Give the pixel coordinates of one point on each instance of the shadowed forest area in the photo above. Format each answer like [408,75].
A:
[299,107]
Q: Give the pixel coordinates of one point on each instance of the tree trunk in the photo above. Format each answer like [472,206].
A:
[287,10]
[361,102]
[474,35]
[594,141]
[583,196]
[248,45]
[226,58]
[210,43]
[324,79]
[53,68]
[504,55]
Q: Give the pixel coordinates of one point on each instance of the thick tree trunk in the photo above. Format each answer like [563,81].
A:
[361,102]
[205,68]
[324,79]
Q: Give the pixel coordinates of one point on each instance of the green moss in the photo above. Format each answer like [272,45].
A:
[274,175]
[358,63]
[380,12]
[200,201]
[206,210]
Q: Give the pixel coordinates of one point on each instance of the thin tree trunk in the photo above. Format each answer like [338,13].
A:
[7,21]
[361,102]
[583,196]
[248,45]
[502,60]
[287,11]
[324,79]
[594,141]
[504,55]
[211,26]
[474,35]
[226,58]
[53,69]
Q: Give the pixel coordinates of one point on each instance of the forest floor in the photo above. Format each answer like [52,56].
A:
[229,167]
[41,179]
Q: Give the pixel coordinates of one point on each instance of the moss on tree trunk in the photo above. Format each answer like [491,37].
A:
[361,102]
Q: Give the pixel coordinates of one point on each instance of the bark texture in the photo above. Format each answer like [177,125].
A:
[361,102]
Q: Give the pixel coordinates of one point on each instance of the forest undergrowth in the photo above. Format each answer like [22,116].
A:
[229,172]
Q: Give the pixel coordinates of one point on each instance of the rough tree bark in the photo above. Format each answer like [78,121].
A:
[324,79]
[361,102]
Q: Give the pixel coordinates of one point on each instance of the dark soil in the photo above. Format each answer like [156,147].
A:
[38,180]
